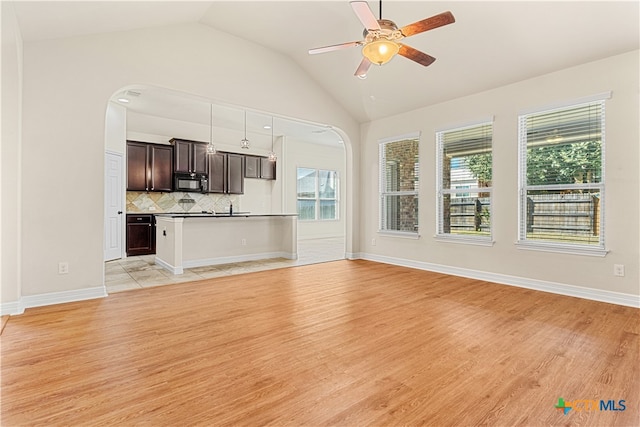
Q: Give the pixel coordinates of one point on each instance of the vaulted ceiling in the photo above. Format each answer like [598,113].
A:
[491,44]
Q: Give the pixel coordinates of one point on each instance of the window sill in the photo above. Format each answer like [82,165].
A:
[562,249]
[400,234]
[477,241]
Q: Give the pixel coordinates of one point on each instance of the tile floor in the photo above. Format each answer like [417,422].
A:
[141,271]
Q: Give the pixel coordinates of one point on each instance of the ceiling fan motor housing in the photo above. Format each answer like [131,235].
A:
[388,30]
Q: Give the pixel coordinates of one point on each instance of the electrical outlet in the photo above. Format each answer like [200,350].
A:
[243,242]
[152,208]
[373,242]
[618,270]
[63,267]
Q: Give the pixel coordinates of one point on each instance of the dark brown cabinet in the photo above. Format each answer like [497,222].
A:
[251,166]
[259,167]
[141,234]
[149,167]
[226,173]
[267,168]
[190,156]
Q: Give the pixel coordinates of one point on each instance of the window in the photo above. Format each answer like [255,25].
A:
[464,162]
[562,178]
[317,194]
[399,176]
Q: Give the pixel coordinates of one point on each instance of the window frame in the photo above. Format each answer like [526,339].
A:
[471,239]
[523,187]
[383,191]
[317,199]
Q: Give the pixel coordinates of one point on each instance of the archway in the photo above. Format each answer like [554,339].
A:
[155,115]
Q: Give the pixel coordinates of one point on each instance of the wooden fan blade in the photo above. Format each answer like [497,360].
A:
[436,21]
[365,15]
[363,68]
[333,47]
[415,55]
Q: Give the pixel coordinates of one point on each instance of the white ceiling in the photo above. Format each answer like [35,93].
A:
[491,44]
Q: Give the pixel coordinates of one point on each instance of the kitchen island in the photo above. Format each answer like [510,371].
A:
[196,240]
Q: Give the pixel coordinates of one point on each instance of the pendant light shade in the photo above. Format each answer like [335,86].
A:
[244,142]
[211,149]
[272,154]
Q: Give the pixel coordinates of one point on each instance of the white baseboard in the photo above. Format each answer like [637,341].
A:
[169,267]
[29,301]
[239,258]
[618,298]
[11,308]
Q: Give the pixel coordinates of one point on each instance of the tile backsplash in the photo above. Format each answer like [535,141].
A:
[139,202]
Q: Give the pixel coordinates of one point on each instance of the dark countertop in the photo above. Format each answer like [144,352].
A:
[217,215]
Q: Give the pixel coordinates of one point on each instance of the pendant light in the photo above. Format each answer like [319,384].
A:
[272,154]
[211,149]
[244,142]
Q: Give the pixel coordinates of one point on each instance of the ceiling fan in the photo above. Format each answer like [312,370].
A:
[381,38]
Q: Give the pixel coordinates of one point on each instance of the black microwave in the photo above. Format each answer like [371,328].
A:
[191,182]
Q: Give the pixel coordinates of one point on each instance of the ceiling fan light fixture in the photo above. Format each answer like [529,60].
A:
[380,51]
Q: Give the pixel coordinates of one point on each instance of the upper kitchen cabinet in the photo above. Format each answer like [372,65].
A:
[235,173]
[226,173]
[190,156]
[267,168]
[251,166]
[259,167]
[149,167]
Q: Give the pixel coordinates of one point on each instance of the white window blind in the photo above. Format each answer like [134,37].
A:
[399,176]
[464,182]
[561,165]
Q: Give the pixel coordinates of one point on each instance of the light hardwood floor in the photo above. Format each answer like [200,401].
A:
[346,343]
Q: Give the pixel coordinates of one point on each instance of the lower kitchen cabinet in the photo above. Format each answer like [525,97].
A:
[141,234]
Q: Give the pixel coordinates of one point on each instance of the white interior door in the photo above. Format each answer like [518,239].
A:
[113,201]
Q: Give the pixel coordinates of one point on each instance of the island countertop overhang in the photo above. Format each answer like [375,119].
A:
[223,215]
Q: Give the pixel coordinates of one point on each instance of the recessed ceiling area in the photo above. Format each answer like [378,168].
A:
[166,104]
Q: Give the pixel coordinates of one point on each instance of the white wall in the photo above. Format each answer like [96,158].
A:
[115,137]
[300,154]
[160,130]
[618,74]
[67,83]
[10,157]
